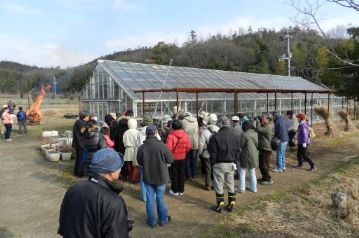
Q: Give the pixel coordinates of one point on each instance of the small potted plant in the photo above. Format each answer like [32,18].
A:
[66,152]
[53,155]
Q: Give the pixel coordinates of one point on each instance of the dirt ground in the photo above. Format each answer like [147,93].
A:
[32,188]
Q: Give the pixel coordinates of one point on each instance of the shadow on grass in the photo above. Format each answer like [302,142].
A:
[5,233]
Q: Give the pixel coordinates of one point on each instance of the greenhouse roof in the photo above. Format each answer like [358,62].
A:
[135,78]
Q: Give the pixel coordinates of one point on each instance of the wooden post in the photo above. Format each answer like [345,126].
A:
[275,102]
[305,103]
[354,110]
[235,103]
[197,105]
[291,103]
[177,103]
[328,102]
[311,111]
[342,102]
[347,106]
[267,104]
[143,103]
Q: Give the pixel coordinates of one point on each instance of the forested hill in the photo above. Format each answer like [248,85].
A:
[258,52]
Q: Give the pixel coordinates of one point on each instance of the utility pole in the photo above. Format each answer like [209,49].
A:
[55,83]
[288,55]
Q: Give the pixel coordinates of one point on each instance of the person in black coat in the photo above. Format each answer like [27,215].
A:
[153,156]
[77,142]
[93,208]
[224,151]
[122,127]
[93,141]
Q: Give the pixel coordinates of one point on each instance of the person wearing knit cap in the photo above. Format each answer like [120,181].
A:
[92,208]
[153,156]
[303,143]
[147,121]
[224,151]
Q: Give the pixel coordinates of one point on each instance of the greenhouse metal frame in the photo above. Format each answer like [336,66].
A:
[155,89]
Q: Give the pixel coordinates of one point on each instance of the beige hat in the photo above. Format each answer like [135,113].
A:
[3,106]
[113,115]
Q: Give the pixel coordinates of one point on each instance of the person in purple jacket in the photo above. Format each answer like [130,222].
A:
[303,143]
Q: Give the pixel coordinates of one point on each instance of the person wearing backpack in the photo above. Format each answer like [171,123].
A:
[206,134]
[303,143]
[178,142]
[21,119]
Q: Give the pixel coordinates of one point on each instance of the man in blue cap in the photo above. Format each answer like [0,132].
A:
[92,208]
[154,156]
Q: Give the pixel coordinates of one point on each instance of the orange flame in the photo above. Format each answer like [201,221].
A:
[33,113]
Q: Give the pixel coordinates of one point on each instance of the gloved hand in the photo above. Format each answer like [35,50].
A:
[304,145]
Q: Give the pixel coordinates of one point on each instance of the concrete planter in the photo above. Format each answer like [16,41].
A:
[48,150]
[66,155]
[53,156]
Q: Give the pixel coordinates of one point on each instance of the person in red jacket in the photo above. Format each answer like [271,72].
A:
[179,144]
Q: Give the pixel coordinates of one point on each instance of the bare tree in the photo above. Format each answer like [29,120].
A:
[308,15]
[347,3]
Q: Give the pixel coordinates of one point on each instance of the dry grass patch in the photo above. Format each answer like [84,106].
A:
[304,212]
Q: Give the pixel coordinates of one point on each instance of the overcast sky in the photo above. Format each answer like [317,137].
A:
[71,32]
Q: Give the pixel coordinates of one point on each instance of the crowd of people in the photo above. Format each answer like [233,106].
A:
[117,148]
[7,119]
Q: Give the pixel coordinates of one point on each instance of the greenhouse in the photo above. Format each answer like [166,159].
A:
[155,89]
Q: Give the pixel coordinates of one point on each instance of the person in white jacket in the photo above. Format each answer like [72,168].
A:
[131,141]
[206,134]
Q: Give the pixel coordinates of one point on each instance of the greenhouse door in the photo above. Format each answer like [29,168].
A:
[102,110]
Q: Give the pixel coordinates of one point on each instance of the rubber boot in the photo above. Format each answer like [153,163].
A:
[220,202]
[231,201]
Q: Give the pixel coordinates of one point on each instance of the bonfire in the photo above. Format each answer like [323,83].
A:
[33,113]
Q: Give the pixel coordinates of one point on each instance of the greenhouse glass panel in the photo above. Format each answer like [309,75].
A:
[114,80]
